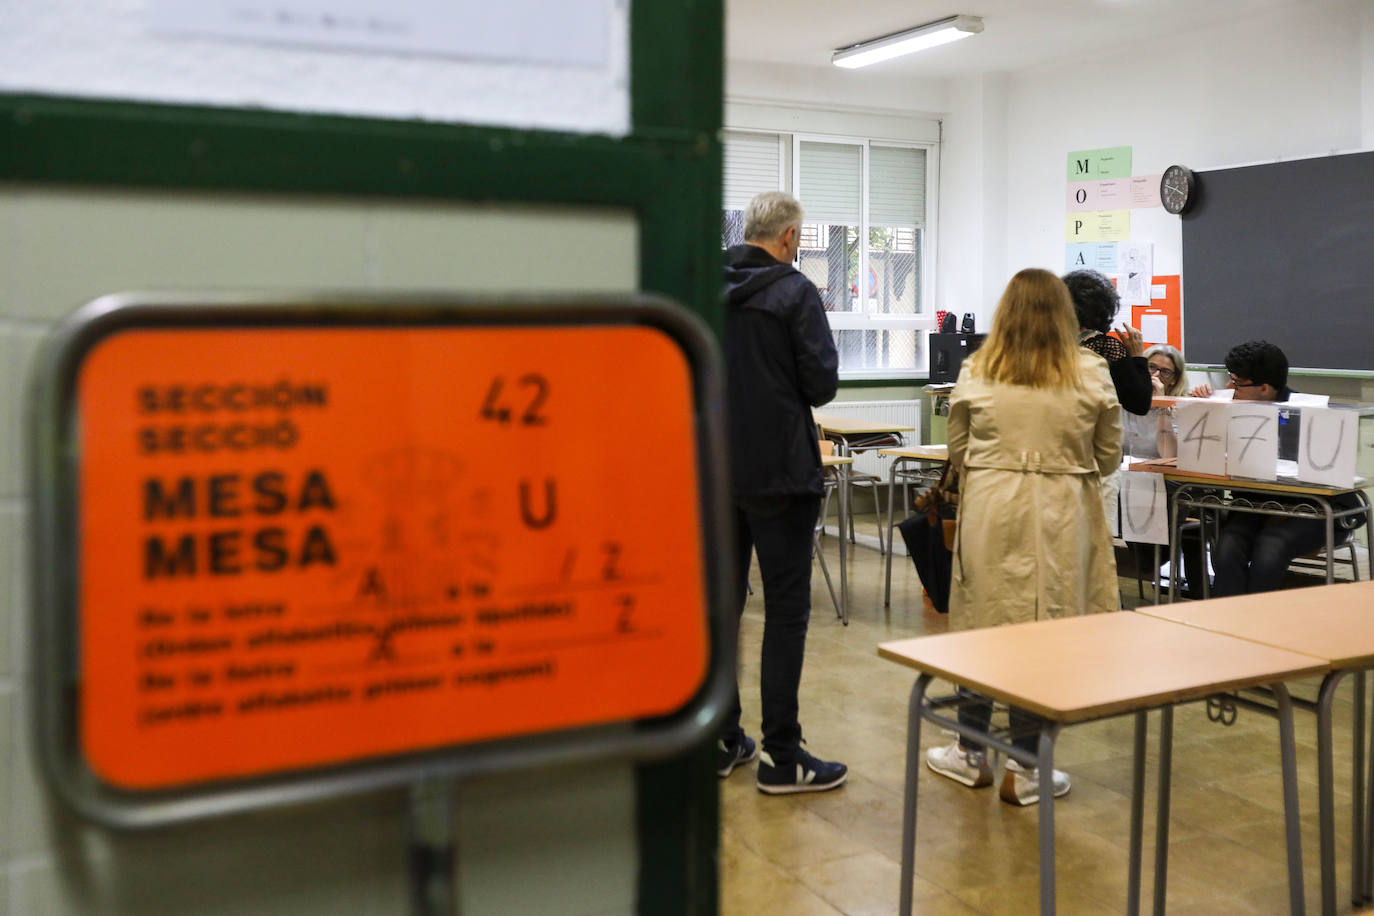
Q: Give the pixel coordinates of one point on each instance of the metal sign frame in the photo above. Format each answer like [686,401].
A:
[54,466]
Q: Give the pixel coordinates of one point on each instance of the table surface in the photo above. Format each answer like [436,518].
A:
[848,426]
[1244,483]
[1075,669]
[1334,622]
[927,452]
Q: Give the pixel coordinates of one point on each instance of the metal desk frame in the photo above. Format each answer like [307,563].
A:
[1308,504]
[922,708]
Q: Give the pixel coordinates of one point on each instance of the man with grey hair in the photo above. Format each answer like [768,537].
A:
[780,362]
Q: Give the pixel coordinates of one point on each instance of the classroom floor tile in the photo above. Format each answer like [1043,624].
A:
[840,851]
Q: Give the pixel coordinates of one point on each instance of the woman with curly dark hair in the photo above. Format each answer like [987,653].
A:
[1095,301]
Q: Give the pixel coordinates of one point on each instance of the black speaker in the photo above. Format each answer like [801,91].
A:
[947,352]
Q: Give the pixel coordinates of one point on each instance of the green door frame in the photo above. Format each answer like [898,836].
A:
[667,171]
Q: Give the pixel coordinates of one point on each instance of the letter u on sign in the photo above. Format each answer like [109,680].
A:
[1328,446]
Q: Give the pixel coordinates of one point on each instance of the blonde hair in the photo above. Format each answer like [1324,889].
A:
[1034,336]
[1180,386]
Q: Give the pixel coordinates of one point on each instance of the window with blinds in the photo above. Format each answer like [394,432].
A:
[752,164]
[863,241]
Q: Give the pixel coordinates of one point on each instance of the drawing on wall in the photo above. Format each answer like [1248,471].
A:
[1135,269]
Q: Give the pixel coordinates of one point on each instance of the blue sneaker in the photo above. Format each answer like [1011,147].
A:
[803,773]
[727,758]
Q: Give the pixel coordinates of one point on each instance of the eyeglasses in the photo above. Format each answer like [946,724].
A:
[1164,372]
[1237,383]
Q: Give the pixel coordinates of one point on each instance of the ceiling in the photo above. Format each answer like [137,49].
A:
[1016,33]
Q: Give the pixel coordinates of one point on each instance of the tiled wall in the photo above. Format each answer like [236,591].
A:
[60,247]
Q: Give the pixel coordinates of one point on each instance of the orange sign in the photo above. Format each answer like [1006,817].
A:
[305,547]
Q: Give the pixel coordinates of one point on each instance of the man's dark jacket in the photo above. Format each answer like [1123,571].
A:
[780,362]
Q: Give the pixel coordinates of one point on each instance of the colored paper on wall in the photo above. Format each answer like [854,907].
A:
[1105,194]
[1145,191]
[1098,226]
[1108,162]
[1161,321]
[1098,256]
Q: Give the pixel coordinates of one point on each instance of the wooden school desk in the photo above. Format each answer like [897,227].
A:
[929,456]
[1205,492]
[852,435]
[1078,669]
[1335,623]
[841,463]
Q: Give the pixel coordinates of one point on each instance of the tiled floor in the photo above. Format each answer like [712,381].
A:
[839,852]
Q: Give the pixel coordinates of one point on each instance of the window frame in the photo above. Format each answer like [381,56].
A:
[864,320]
[888,129]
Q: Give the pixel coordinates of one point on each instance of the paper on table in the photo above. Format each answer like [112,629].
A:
[1297,399]
[1154,328]
[1252,440]
[1328,446]
[1201,436]
[1144,508]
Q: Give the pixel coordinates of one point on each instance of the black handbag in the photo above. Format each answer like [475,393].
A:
[929,537]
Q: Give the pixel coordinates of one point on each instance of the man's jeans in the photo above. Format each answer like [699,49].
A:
[780,529]
[1253,551]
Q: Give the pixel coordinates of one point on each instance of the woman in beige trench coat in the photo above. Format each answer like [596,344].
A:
[1034,424]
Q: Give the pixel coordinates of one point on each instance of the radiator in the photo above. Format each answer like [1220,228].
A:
[899,413]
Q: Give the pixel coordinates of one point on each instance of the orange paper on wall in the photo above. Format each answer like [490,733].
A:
[1167,311]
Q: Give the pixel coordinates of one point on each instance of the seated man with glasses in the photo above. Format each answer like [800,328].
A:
[1254,551]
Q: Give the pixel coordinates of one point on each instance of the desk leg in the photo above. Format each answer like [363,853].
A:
[891,494]
[1366,889]
[1173,552]
[1171,574]
[1330,544]
[1358,848]
[1206,557]
[913,770]
[1292,826]
[1137,813]
[1326,808]
[843,539]
[1046,768]
[1166,763]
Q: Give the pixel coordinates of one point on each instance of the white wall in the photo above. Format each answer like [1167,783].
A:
[1289,82]
[831,87]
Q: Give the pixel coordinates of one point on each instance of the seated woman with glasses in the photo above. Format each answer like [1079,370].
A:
[1154,435]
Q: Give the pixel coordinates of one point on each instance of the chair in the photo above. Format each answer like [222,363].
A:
[825,569]
[1316,560]
[856,478]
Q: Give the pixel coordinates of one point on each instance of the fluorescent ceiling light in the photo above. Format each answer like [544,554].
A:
[931,35]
